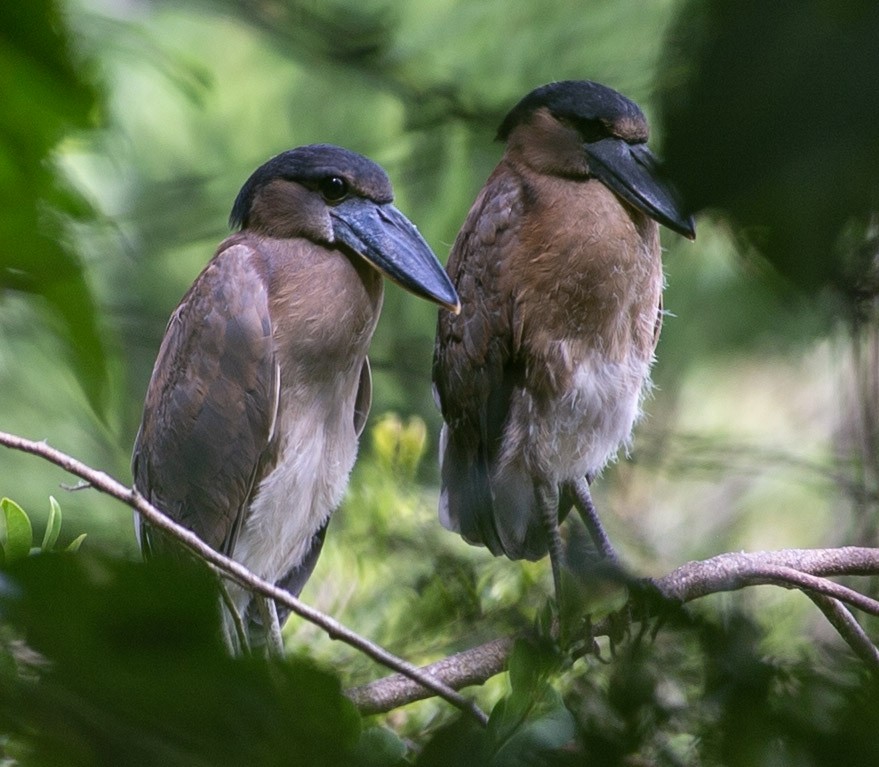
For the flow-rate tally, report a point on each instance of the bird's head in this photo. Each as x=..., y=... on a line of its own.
x=342, y=199
x=582, y=129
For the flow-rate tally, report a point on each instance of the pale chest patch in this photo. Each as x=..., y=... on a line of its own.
x=578, y=433
x=298, y=496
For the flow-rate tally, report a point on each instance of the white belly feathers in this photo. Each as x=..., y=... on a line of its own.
x=579, y=433
x=308, y=483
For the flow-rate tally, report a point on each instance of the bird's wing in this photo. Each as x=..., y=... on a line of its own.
x=474, y=371
x=212, y=401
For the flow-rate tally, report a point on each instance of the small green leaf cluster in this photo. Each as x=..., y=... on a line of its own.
x=17, y=532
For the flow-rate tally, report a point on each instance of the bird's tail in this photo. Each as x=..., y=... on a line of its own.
x=489, y=507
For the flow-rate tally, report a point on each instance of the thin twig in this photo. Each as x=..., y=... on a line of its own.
x=733, y=571
x=848, y=628
x=787, y=577
x=803, y=569
x=106, y=484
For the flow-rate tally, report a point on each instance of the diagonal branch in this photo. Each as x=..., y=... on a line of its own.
x=106, y=484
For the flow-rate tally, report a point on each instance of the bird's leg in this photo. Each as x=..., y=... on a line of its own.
x=548, y=503
x=620, y=620
x=583, y=501
x=268, y=613
x=234, y=633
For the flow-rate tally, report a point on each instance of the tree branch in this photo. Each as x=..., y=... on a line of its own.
x=733, y=571
x=462, y=669
x=803, y=569
x=106, y=484
x=807, y=570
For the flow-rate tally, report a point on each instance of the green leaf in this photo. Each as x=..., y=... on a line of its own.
x=74, y=545
x=379, y=747
x=530, y=666
x=460, y=743
x=532, y=700
x=18, y=534
x=508, y=715
x=538, y=736
x=545, y=620
x=53, y=526
x=523, y=667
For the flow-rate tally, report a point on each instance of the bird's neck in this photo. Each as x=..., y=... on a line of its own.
x=325, y=305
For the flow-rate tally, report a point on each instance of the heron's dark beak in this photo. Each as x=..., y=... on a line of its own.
x=632, y=172
x=392, y=244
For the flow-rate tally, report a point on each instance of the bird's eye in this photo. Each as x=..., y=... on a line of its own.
x=592, y=130
x=333, y=188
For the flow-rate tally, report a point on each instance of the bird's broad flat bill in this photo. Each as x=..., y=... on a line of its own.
x=630, y=170
x=388, y=240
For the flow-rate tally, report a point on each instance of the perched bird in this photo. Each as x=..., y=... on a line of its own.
x=262, y=384
x=540, y=377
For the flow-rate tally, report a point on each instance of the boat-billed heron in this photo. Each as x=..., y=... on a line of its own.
x=262, y=384
x=540, y=378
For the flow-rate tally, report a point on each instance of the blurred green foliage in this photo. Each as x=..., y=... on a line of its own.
x=771, y=114
x=140, y=676
x=129, y=128
x=46, y=95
